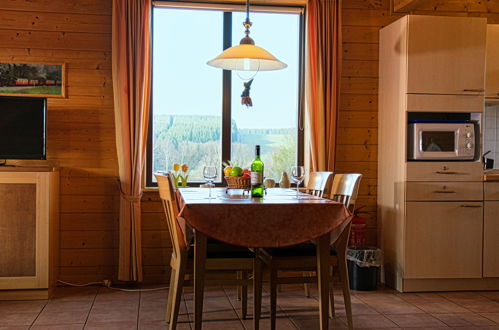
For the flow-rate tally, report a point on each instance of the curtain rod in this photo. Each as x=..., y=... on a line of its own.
x=228, y=7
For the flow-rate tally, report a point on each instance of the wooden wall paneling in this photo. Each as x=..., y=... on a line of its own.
x=463, y=6
x=87, y=239
x=77, y=59
x=89, y=7
x=359, y=85
x=156, y=238
x=367, y=4
x=55, y=40
x=88, y=221
x=29, y=20
x=354, y=135
x=359, y=102
x=368, y=169
x=86, y=258
x=360, y=51
x=154, y=221
x=357, y=153
x=406, y=5
x=357, y=68
x=371, y=18
x=358, y=119
x=87, y=274
x=156, y=256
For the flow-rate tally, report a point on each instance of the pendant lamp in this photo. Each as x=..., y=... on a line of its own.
x=246, y=56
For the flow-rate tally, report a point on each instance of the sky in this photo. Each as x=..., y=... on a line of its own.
x=184, y=40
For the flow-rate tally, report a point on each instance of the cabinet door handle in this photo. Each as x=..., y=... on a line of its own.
x=446, y=172
x=464, y=205
x=474, y=90
x=444, y=191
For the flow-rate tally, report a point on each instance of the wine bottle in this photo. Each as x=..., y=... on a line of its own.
x=257, y=175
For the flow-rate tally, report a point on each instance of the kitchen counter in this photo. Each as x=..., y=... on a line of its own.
x=491, y=175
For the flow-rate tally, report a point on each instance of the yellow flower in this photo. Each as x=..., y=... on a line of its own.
x=185, y=168
x=176, y=167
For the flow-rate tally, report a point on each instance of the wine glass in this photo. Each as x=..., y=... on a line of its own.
x=297, y=176
x=210, y=174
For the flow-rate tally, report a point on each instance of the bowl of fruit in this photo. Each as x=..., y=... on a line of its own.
x=236, y=177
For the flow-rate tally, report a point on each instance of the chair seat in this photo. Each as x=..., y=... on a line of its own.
x=298, y=250
x=217, y=249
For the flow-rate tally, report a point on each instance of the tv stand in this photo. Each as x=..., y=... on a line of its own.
x=29, y=210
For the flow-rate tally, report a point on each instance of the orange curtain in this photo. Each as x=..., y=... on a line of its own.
x=131, y=55
x=323, y=66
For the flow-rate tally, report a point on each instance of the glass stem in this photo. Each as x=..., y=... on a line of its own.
x=209, y=188
x=297, y=189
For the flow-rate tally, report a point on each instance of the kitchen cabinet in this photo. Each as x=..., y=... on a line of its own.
x=490, y=239
x=444, y=240
x=444, y=191
x=430, y=213
x=28, y=233
x=444, y=171
x=491, y=229
x=492, y=63
x=446, y=55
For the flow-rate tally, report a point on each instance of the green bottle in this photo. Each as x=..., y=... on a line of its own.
x=257, y=175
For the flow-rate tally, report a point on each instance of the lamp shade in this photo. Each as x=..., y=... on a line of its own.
x=247, y=57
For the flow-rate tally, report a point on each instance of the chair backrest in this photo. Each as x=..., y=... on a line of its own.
x=171, y=208
x=319, y=183
x=346, y=188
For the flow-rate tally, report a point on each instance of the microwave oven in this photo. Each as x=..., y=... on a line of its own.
x=444, y=140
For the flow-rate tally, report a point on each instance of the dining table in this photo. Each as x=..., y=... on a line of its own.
x=283, y=217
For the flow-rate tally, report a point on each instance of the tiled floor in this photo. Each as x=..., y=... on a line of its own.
x=102, y=308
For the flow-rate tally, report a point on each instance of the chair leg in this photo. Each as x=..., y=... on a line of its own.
x=171, y=290
x=257, y=292
x=306, y=286
x=332, y=311
x=273, y=297
x=239, y=287
x=323, y=279
x=343, y=270
x=199, y=274
x=177, y=291
x=244, y=295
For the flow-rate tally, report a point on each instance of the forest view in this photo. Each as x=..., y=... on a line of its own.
x=196, y=141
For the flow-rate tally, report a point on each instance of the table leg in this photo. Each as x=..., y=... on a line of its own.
x=257, y=292
x=323, y=278
x=199, y=274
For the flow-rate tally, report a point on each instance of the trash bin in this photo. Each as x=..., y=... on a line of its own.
x=363, y=267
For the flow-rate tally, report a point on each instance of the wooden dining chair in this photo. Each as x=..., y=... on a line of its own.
x=319, y=184
x=302, y=257
x=220, y=257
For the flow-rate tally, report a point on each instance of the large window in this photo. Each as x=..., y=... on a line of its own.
x=197, y=117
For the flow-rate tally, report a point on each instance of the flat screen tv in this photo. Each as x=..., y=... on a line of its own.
x=22, y=127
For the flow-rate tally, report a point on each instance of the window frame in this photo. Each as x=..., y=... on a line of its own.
x=226, y=132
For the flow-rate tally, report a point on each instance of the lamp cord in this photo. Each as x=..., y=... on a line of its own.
x=247, y=10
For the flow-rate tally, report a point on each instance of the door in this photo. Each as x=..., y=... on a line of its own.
x=443, y=240
x=491, y=239
x=446, y=55
x=492, y=62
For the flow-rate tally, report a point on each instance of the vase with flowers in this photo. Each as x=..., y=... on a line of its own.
x=180, y=175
